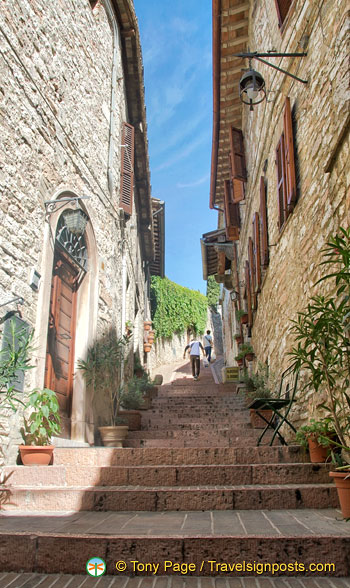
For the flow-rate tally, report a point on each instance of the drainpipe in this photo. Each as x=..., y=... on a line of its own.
x=114, y=77
x=216, y=98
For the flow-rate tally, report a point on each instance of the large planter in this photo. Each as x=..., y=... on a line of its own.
x=256, y=421
x=34, y=455
x=342, y=483
x=113, y=436
x=134, y=419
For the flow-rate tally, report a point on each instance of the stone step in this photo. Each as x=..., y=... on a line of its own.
x=241, y=454
x=202, y=441
x=191, y=433
x=277, y=537
x=210, y=424
x=161, y=475
x=165, y=498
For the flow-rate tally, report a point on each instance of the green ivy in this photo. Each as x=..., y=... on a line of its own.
x=176, y=309
x=213, y=292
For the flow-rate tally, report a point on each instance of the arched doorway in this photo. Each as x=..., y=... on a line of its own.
x=69, y=269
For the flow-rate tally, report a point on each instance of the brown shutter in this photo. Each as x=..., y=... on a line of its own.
x=281, y=183
x=249, y=294
x=263, y=225
x=291, y=187
x=239, y=171
x=221, y=263
x=252, y=272
x=127, y=169
x=282, y=7
x=232, y=216
x=257, y=256
x=237, y=185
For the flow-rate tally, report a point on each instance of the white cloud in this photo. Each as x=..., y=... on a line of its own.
x=195, y=183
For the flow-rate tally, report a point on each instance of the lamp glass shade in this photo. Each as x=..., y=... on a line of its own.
x=252, y=87
x=75, y=220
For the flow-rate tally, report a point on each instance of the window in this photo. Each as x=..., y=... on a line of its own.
x=252, y=273
x=256, y=252
x=248, y=293
x=264, y=239
x=237, y=164
x=127, y=169
x=285, y=166
x=232, y=216
x=282, y=7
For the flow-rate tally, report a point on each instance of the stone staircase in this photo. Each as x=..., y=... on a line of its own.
x=191, y=487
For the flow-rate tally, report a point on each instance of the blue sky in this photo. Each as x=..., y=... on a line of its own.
x=176, y=47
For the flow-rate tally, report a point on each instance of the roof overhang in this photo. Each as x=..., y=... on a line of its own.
x=134, y=84
x=230, y=35
x=211, y=244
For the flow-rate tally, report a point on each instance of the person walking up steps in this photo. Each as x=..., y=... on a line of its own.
x=208, y=343
x=195, y=347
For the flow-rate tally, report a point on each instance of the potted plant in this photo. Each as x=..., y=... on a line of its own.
x=239, y=338
x=258, y=387
x=242, y=316
x=245, y=352
x=139, y=370
x=322, y=335
x=128, y=328
x=317, y=436
x=101, y=370
x=42, y=422
x=147, y=325
x=131, y=400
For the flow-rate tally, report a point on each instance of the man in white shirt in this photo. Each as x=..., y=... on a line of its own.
x=195, y=347
x=208, y=343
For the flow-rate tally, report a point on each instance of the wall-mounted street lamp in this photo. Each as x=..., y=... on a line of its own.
x=252, y=89
x=75, y=218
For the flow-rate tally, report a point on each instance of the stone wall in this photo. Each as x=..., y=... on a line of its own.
x=321, y=133
x=55, y=101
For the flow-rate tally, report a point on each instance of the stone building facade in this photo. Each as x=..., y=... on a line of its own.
x=73, y=125
x=275, y=225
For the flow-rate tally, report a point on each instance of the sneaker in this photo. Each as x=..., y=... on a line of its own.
x=195, y=377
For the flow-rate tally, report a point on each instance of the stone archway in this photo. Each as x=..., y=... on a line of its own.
x=66, y=319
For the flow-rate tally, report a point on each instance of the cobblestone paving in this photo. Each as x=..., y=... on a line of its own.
x=13, y=580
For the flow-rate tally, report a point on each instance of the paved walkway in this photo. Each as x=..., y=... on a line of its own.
x=238, y=523
x=13, y=580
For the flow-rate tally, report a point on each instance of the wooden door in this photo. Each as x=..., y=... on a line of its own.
x=61, y=337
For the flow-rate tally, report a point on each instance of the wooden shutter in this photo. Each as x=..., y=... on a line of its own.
x=257, y=256
x=281, y=183
x=263, y=225
x=282, y=7
x=252, y=272
x=127, y=169
x=239, y=171
x=232, y=216
x=291, y=188
x=249, y=294
x=238, y=191
x=221, y=263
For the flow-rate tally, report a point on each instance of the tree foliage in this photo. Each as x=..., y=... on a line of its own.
x=213, y=292
x=176, y=309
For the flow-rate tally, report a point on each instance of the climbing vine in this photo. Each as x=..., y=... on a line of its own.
x=176, y=308
x=213, y=292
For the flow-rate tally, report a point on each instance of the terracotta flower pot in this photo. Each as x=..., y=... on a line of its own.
x=113, y=436
x=342, y=483
x=147, y=347
x=250, y=356
x=244, y=319
x=36, y=455
x=239, y=362
x=147, y=325
x=318, y=453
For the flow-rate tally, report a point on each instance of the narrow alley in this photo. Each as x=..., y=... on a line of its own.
x=192, y=488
